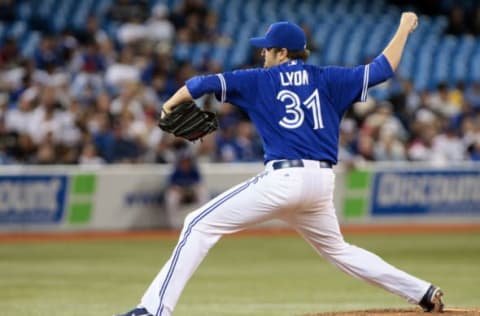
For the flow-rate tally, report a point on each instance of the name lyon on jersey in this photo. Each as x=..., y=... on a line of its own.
x=295, y=78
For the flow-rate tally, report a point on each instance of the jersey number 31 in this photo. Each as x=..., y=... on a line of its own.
x=295, y=115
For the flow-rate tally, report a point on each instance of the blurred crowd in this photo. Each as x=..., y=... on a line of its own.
x=432, y=126
x=87, y=98
x=464, y=20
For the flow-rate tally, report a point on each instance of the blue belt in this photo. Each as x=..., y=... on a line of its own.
x=298, y=163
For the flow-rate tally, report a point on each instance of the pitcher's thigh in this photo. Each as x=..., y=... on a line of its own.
x=244, y=205
x=320, y=229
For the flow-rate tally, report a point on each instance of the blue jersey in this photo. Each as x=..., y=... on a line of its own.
x=295, y=107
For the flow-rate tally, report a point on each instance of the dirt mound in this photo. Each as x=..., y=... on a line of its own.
x=403, y=312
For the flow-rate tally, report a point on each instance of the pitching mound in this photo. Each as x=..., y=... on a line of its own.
x=403, y=312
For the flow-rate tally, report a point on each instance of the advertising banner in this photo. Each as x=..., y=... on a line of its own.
x=427, y=192
x=32, y=199
x=134, y=197
x=129, y=200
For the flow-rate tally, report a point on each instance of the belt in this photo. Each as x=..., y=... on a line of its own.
x=298, y=163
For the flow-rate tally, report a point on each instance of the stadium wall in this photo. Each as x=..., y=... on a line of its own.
x=125, y=197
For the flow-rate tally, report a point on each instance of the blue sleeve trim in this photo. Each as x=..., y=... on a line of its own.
x=379, y=70
x=366, y=74
x=223, y=84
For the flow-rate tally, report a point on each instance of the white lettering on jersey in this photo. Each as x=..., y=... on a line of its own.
x=296, y=78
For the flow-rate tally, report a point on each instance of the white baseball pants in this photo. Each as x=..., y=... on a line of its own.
x=301, y=196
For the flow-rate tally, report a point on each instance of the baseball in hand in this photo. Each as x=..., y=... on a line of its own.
x=410, y=20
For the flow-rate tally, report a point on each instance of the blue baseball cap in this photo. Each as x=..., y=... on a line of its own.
x=282, y=35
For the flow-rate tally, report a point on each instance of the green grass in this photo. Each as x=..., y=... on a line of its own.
x=241, y=276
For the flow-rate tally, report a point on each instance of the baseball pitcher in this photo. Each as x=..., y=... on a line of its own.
x=297, y=109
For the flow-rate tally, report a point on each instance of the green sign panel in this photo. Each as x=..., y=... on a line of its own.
x=357, y=194
x=82, y=194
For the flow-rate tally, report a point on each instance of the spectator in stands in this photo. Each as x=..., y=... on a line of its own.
x=472, y=96
x=475, y=21
x=123, y=70
x=46, y=154
x=90, y=64
x=440, y=101
x=149, y=135
x=188, y=8
x=160, y=87
x=156, y=75
x=457, y=24
x=430, y=145
x=124, y=149
x=449, y=146
x=15, y=82
x=124, y=10
x=133, y=128
x=5, y=140
x=70, y=134
x=92, y=32
x=133, y=32
x=405, y=101
x=103, y=136
x=128, y=100
x=212, y=33
x=248, y=142
x=421, y=148
x=67, y=48
x=47, y=54
x=102, y=103
x=3, y=106
x=23, y=150
x=20, y=119
x=7, y=10
x=227, y=147
x=92, y=61
x=469, y=132
x=185, y=186
x=168, y=148
x=382, y=120
x=365, y=146
x=4, y=157
x=346, y=150
x=108, y=51
x=89, y=155
x=421, y=118
x=158, y=26
x=9, y=54
x=456, y=95
x=474, y=151
x=47, y=118
x=389, y=148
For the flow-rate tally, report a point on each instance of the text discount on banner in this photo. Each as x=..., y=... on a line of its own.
x=32, y=199
x=426, y=193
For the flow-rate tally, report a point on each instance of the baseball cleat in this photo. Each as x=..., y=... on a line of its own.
x=432, y=300
x=136, y=312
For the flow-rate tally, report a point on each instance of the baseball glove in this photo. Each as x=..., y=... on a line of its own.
x=188, y=121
